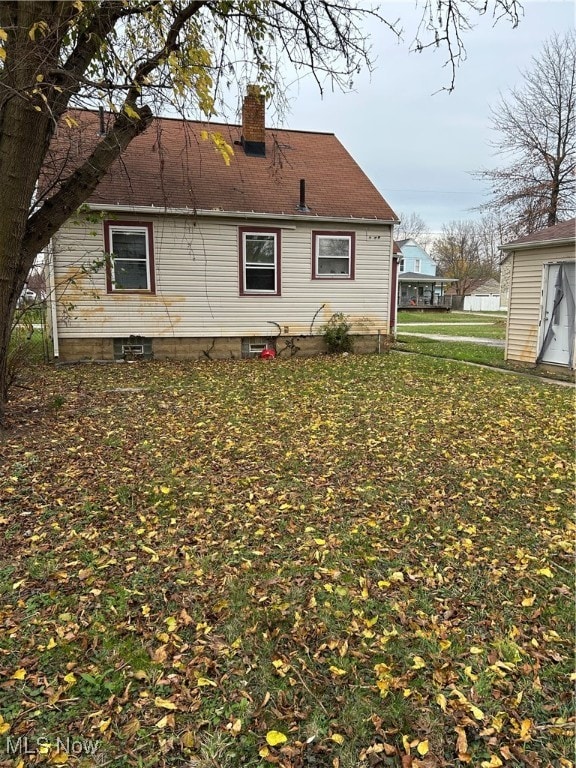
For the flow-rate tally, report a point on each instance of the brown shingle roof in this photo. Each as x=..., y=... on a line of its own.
x=171, y=165
x=566, y=230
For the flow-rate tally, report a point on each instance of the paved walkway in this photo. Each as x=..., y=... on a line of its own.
x=440, y=337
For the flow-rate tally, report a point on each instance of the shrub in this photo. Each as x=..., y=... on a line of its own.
x=336, y=334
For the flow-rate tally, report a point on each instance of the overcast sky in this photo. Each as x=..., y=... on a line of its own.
x=418, y=145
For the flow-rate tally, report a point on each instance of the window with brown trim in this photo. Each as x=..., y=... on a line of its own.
x=333, y=255
x=130, y=267
x=259, y=261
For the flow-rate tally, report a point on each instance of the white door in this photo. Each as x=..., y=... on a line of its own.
x=557, y=323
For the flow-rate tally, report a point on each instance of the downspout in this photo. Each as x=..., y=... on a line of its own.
x=52, y=300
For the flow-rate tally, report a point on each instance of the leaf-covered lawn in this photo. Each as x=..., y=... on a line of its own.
x=341, y=562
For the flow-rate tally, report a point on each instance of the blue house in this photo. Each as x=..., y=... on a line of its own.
x=414, y=258
x=418, y=285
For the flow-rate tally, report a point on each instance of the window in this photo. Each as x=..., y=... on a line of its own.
x=401, y=265
x=259, y=261
x=333, y=255
x=131, y=266
x=417, y=265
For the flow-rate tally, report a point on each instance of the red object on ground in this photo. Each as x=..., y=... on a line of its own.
x=267, y=354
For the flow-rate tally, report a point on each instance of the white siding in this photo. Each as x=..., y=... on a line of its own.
x=526, y=297
x=197, y=282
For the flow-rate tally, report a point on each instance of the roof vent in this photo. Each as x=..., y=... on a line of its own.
x=302, y=207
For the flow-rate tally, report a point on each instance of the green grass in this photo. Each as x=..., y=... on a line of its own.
x=455, y=350
x=447, y=318
x=360, y=553
x=495, y=331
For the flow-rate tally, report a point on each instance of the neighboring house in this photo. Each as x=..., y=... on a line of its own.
x=414, y=258
x=210, y=259
x=542, y=293
x=418, y=285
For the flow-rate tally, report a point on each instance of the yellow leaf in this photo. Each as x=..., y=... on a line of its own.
x=4, y=727
x=103, y=725
x=419, y=662
x=163, y=722
x=164, y=703
x=264, y=751
x=171, y=624
x=478, y=714
x=131, y=112
x=337, y=672
x=273, y=738
x=51, y=644
x=423, y=748
x=2, y=53
x=38, y=25
x=476, y=650
x=444, y=644
x=20, y=674
x=525, y=728
x=59, y=758
x=163, y=488
x=397, y=576
x=545, y=572
x=236, y=726
x=441, y=701
x=494, y=762
x=131, y=727
x=187, y=739
x=205, y=681
x=338, y=738
x=70, y=678
x=528, y=601
x=3, y=34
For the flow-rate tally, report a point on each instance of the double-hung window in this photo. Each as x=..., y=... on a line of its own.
x=333, y=255
x=259, y=261
x=131, y=251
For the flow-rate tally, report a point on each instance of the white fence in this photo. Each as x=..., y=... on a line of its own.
x=482, y=304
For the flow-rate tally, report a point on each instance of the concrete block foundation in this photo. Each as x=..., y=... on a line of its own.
x=213, y=348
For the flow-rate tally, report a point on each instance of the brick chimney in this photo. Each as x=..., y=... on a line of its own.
x=254, y=122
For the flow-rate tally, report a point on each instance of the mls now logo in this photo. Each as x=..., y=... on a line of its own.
x=42, y=745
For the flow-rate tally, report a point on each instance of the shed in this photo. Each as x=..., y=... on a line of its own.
x=541, y=306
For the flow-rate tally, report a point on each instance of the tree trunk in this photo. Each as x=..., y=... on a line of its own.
x=26, y=128
x=25, y=131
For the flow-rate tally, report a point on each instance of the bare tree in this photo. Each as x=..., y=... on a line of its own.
x=536, y=126
x=413, y=227
x=462, y=254
x=134, y=56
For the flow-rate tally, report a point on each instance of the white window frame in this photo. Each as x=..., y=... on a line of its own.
x=129, y=229
x=418, y=265
x=245, y=265
x=349, y=236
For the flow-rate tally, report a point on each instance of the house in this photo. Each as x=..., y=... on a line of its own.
x=418, y=285
x=414, y=258
x=184, y=251
x=542, y=293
